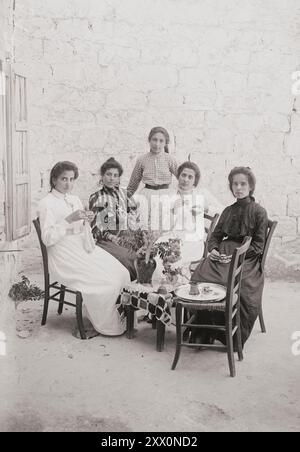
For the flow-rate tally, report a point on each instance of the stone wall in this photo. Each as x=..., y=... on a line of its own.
x=7, y=260
x=217, y=74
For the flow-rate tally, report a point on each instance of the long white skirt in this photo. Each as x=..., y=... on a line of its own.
x=98, y=276
x=154, y=207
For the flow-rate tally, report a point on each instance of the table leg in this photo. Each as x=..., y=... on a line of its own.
x=129, y=321
x=160, y=335
x=154, y=322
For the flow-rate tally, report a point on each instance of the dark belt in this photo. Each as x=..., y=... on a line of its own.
x=157, y=187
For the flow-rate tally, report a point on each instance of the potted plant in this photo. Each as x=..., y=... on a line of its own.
x=142, y=242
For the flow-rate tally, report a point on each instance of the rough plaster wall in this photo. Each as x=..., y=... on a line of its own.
x=7, y=260
x=216, y=73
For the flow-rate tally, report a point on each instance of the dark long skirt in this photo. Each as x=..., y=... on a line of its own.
x=125, y=256
x=251, y=289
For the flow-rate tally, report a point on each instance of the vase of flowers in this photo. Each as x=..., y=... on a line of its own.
x=170, y=253
x=144, y=269
x=143, y=244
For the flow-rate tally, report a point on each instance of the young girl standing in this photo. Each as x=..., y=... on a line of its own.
x=155, y=170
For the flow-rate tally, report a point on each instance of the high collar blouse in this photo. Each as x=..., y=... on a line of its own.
x=243, y=218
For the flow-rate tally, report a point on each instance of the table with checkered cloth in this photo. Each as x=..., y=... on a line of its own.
x=146, y=297
x=140, y=296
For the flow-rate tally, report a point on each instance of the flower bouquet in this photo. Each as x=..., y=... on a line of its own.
x=170, y=253
x=141, y=242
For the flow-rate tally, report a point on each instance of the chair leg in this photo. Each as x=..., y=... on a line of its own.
x=79, y=315
x=129, y=321
x=261, y=321
x=160, y=335
x=239, y=344
x=230, y=354
x=178, y=334
x=186, y=333
x=61, y=300
x=46, y=305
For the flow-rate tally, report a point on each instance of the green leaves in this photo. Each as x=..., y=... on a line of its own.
x=23, y=290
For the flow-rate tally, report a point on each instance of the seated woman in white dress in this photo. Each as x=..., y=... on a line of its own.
x=96, y=274
x=186, y=217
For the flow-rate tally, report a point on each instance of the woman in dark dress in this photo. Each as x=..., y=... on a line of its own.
x=114, y=212
x=243, y=218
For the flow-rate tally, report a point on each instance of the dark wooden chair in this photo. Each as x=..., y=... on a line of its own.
x=60, y=290
x=270, y=231
x=230, y=306
x=209, y=226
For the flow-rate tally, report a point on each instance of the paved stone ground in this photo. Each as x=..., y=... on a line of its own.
x=52, y=381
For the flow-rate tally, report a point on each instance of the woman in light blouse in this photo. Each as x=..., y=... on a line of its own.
x=155, y=170
x=97, y=275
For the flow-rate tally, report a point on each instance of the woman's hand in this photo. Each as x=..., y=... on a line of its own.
x=222, y=258
x=215, y=255
x=77, y=216
x=89, y=215
x=177, y=204
x=197, y=210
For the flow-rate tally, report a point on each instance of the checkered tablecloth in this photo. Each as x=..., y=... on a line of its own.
x=146, y=297
x=143, y=297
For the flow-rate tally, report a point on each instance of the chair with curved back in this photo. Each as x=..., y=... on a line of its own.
x=61, y=290
x=270, y=231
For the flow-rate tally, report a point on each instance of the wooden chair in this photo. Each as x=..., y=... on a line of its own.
x=230, y=306
x=209, y=228
x=270, y=231
x=61, y=290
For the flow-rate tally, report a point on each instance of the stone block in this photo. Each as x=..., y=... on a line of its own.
x=235, y=60
x=275, y=205
x=276, y=122
x=32, y=49
x=273, y=60
x=150, y=77
x=218, y=120
x=125, y=98
x=69, y=27
x=184, y=56
x=294, y=204
x=198, y=99
x=196, y=78
x=287, y=226
x=166, y=98
x=186, y=118
x=292, y=143
x=218, y=141
x=108, y=54
x=230, y=83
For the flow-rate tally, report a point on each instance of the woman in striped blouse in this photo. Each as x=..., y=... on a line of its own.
x=155, y=170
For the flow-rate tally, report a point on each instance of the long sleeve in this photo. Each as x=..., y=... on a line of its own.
x=52, y=232
x=98, y=225
x=259, y=234
x=136, y=177
x=218, y=234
